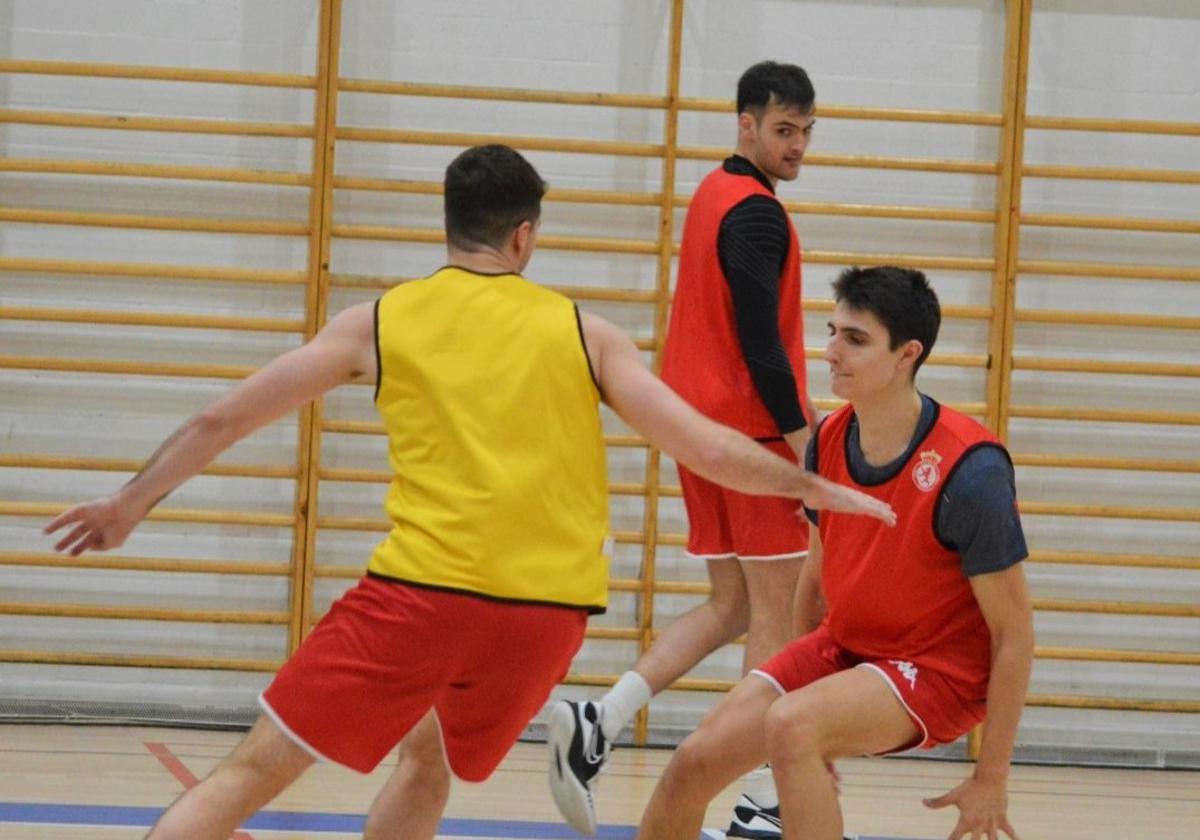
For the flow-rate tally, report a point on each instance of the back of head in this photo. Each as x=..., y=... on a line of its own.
x=489, y=191
x=772, y=83
x=901, y=298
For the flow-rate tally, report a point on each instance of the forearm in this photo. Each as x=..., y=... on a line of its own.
x=739, y=462
x=191, y=448
x=1012, y=661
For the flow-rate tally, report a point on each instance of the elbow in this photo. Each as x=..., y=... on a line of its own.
x=1017, y=640
x=214, y=424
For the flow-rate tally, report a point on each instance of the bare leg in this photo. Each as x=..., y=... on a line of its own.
x=853, y=712
x=730, y=741
x=258, y=769
x=410, y=804
x=771, y=588
x=698, y=632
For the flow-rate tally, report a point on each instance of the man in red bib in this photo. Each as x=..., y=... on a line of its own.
x=735, y=352
x=907, y=636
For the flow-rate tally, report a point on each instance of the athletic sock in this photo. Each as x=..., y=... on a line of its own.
x=622, y=702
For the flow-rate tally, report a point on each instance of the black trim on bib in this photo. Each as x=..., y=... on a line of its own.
x=494, y=598
x=378, y=355
x=583, y=344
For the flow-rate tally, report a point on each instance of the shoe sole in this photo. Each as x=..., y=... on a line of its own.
x=741, y=833
x=570, y=795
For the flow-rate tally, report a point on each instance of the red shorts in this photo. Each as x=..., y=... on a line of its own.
x=938, y=705
x=386, y=653
x=724, y=523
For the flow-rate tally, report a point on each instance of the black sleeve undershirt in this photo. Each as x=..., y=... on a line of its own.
x=752, y=245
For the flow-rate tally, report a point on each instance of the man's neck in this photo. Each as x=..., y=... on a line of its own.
x=744, y=155
x=886, y=424
x=490, y=261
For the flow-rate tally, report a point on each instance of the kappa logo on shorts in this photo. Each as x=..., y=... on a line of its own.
x=927, y=474
x=907, y=670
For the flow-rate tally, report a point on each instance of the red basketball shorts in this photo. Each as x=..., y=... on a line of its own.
x=386, y=653
x=941, y=708
x=724, y=523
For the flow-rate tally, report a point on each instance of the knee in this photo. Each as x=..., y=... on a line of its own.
x=266, y=760
x=696, y=771
x=792, y=731
x=732, y=610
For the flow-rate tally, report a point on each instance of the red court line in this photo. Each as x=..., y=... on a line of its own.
x=185, y=776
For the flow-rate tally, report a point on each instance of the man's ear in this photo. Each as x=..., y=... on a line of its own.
x=522, y=240
x=911, y=351
x=746, y=124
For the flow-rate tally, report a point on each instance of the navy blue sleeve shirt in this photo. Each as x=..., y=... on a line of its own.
x=977, y=516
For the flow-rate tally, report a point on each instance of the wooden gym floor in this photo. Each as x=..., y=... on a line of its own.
x=104, y=783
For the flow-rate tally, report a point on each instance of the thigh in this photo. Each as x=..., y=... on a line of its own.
x=727, y=580
x=850, y=713
x=805, y=660
x=764, y=528
x=942, y=710
x=365, y=676
x=275, y=757
x=708, y=521
x=771, y=585
x=517, y=654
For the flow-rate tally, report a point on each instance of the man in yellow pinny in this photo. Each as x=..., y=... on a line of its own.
x=475, y=603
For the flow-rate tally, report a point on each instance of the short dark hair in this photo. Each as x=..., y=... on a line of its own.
x=770, y=82
x=902, y=300
x=489, y=191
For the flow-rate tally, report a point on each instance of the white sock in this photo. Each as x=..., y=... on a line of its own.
x=622, y=702
x=759, y=785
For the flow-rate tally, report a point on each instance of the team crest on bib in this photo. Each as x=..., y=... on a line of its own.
x=926, y=474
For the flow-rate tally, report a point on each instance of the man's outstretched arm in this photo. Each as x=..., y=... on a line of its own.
x=717, y=452
x=343, y=350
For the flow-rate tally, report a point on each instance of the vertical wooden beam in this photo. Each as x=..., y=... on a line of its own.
x=320, y=216
x=1008, y=234
x=662, y=302
x=1008, y=213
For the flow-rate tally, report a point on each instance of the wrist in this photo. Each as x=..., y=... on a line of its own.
x=134, y=499
x=991, y=775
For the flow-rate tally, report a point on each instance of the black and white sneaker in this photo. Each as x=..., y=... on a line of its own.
x=751, y=820
x=578, y=752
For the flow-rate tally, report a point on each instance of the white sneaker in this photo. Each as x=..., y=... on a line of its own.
x=578, y=752
x=751, y=820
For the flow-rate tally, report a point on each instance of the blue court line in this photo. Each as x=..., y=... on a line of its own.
x=50, y=814
x=310, y=821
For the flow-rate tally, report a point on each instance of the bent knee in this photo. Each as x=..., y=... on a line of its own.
x=792, y=729
x=732, y=610
x=696, y=769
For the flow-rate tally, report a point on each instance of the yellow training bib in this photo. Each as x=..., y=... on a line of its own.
x=494, y=436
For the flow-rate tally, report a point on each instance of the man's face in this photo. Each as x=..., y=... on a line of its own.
x=860, y=361
x=777, y=142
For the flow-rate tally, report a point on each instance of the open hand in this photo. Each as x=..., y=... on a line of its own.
x=982, y=807
x=100, y=524
x=826, y=495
